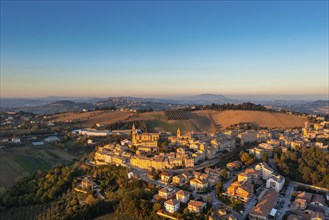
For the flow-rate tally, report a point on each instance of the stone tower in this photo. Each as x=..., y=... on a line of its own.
x=306, y=125
x=178, y=133
x=133, y=134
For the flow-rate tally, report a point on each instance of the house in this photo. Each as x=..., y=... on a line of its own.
x=318, y=200
x=16, y=140
x=195, y=206
x=258, y=152
x=265, y=170
x=264, y=207
x=301, y=201
x=165, y=177
x=203, y=176
x=183, y=196
x=253, y=174
x=241, y=190
x=196, y=174
x=86, y=183
x=198, y=184
x=294, y=217
x=307, y=215
x=187, y=175
x=242, y=177
x=263, y=135
x=178, y=180
x=275, y=182
x=299, y=204
x=317, y=216
x=37, y=143
x=304, y=195
x=189, y=162
x=267, y=148
x=248, y=137
x=171, y=205
x=233, y=165
x=51, y=139
x=167, y=192
x=212, y=180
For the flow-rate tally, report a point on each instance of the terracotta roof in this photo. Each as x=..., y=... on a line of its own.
x=172, y=202
x=318, y=199
x=167, y=189
x=277, y=178
x=198, y=181
x=318, y=215
x=251, y=171
x=195, y=203
x=304, y=195
x=266, y=204
x=183, y=193
x=294, y=217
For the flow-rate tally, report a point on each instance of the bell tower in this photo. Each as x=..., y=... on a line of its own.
x=133, y=134
x=178, y=133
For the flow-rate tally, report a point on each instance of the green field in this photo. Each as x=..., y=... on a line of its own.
x=18, y=162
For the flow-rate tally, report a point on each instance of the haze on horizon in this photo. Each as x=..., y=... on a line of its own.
x=160, y=49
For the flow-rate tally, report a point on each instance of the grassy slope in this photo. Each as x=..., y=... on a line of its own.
x=25, y=160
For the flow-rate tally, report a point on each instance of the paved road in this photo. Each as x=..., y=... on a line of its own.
x=285, y=208
x=272, y=164
x=216, y=203
x=228, y=183
x=207, y=163
x=142, y=174
x=248, y=206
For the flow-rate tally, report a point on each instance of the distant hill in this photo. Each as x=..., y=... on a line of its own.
x=55, y=107
x=315, y=107
x=203, y=99
x=49, y=105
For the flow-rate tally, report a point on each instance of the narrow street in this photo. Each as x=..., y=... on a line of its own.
x=287, y=197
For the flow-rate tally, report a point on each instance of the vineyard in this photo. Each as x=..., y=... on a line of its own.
x=176, y=115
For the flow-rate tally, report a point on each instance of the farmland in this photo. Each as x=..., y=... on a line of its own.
x=176, y=115
x=91, y=118
x=17, y=162
x=227, y=118
x=203, y=120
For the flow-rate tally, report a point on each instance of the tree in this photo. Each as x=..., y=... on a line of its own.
x=186, y=211
x=244, y=157
x=224, y=174
x=156, y=207
x=238, y=205
x=293, y=156
x=219, y=188
x=264, y=157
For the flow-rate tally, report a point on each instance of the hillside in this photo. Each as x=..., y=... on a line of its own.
x=55, y=107
x=262, y=119
x=203, y=120
x=18, y=162
x=91, y=118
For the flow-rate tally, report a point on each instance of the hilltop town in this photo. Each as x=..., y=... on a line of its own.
x=190, y=172
x=236, y=173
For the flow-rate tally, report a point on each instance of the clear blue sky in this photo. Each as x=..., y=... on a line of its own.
x=102, y=48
